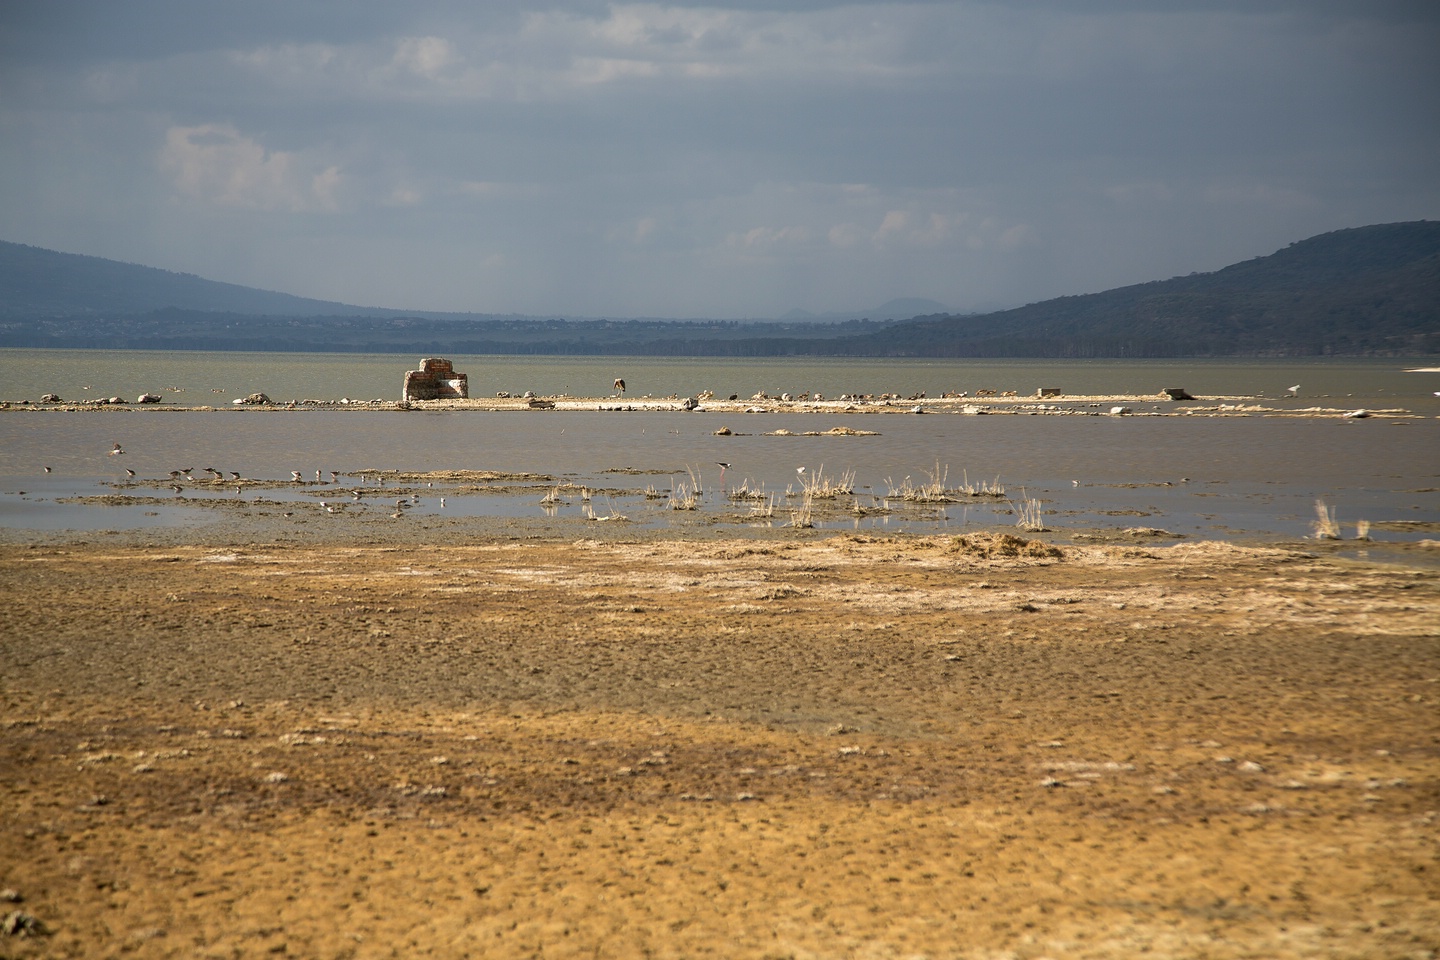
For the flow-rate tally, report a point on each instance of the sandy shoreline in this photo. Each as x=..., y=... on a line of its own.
x=846, y=746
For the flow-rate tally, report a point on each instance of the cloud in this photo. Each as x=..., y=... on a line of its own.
x=216, y=165
x=845, y=235
x=426, y=56
x=763, y=239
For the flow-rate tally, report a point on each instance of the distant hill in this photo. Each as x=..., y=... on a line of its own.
x=1369, y=290
x=35, y=282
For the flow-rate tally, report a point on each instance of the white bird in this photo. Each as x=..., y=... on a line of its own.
x=47, y=469
x=295, y=475
x=1293, y=390
x=115, y=451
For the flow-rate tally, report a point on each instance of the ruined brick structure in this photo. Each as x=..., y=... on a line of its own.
x=436, y=380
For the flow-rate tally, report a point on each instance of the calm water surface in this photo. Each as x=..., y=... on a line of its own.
x=1237, y=477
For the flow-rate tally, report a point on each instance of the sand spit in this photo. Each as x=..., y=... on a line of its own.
x=963, y=747
x=1112, y=405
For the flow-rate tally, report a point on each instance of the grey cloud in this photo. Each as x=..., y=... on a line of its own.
x=709, y=158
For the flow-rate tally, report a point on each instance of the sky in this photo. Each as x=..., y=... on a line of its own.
x=737, y=159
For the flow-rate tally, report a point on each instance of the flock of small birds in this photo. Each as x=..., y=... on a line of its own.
x=188, y=473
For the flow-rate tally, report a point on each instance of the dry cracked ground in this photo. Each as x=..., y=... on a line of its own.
x=958, y=747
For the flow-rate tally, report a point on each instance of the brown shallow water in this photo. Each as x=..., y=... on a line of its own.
x=842, y=746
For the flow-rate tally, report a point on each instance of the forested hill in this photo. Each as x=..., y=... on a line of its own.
x=1368, y=290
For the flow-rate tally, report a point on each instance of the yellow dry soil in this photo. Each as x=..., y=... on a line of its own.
x=963, y=747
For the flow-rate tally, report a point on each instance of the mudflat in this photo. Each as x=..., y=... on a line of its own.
x=974, y=746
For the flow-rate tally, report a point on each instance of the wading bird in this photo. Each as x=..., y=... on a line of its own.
x=619, y=384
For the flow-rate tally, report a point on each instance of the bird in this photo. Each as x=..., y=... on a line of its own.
x=47, y=469
x=1293, y=390
x=619, y=384
x=334, y=476
x=295, y=475
x=116, y=450
x=234, y=474
x=128, y=471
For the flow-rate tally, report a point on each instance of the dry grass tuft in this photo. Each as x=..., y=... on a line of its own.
x=817, y=486
x=1327, y=527
x=990, y=546
x=1029, y=515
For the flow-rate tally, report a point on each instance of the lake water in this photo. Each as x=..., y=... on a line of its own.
x=1228, y=478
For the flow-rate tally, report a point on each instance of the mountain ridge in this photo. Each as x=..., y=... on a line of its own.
x=1358, y=291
